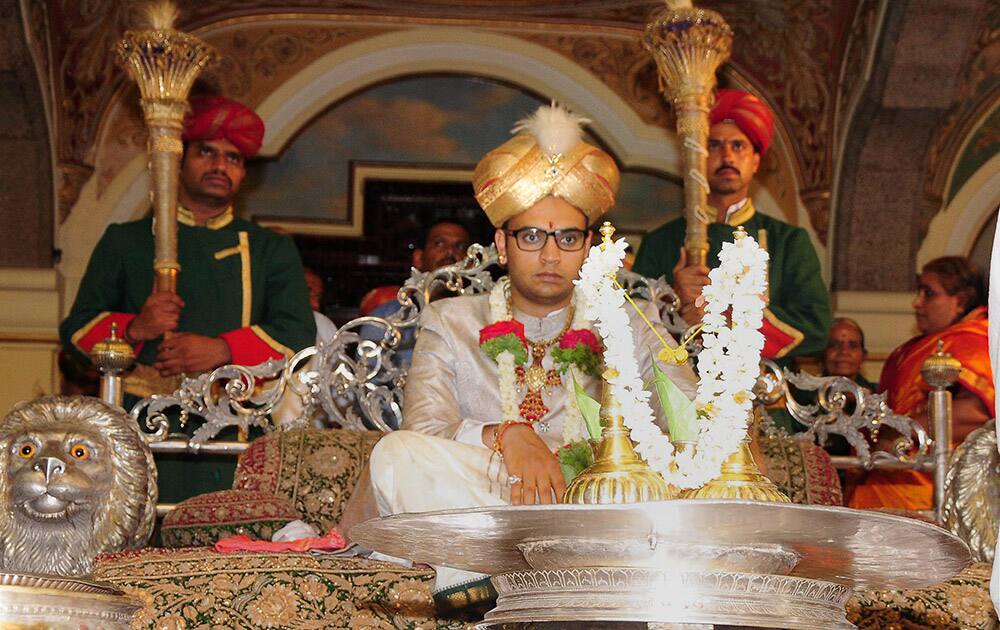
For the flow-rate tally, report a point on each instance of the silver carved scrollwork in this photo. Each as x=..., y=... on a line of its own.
x=844, y=408
x=227, y=396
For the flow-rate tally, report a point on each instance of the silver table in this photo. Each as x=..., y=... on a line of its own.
x=721, y=562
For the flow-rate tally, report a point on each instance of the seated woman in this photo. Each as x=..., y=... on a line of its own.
x=951, y=308
x=844, y=355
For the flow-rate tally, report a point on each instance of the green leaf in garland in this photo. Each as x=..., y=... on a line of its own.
x=590, y=410
x=581, y=356
x=682, y=418
x=509, y=343
x=574, y=458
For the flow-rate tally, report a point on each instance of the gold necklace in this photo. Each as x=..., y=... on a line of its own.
x=536, y=378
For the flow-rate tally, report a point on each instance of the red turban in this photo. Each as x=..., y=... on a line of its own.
x=220, y=118
x=747, y=112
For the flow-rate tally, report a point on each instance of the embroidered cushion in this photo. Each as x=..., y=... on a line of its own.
x=801, y=470
x=963, y=602
x=202, y=520
x=199, y=588
x=315, y=469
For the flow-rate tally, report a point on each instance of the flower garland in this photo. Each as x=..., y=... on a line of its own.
x=503, y=341
x=728, y=364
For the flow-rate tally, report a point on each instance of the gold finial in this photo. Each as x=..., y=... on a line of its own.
x=112, y=354
x=941, y=370
x=739, y=234
x=607, y=231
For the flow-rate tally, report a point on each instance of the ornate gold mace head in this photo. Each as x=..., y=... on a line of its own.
x=164, y=64
x=688, y=46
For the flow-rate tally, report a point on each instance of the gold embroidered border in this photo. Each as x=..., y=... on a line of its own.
x=793, y=332
x=269, y=340
x=244, y=248
x=742, y=215
x=75, y=339
x=186, y=217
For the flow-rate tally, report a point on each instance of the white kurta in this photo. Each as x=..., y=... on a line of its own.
x=439, y=461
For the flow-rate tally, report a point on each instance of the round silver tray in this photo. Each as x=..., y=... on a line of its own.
x=856, y=548
x=694, y=561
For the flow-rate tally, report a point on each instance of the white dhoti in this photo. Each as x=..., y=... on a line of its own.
x=415, y=472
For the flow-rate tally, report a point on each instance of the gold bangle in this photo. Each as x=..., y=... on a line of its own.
x=498, y=434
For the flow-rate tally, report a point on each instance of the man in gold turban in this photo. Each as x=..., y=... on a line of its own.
x=478, y=433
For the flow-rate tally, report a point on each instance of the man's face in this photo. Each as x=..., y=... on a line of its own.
x=544, y=277
x=446, y=244
x=844, y=354
x=934, y=307
x=732, y=161
x=212, y=171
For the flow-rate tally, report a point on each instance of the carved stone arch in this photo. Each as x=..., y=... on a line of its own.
x=953, y=231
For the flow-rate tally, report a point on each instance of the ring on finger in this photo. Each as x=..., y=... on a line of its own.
x=513, y=479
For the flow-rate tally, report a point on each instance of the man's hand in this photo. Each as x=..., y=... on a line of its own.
x=188, y=352
x=689, y=280
x=526, y=456
x=160, y=313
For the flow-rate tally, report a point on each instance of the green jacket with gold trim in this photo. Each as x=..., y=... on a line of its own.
x=239, y=282
x=797, y=319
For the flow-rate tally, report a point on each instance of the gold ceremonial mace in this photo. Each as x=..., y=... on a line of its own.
x=689, y=45
x=164, y=63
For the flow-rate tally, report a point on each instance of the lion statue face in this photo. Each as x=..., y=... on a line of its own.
x=77, y=479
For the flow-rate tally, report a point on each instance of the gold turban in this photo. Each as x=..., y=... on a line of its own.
x=519, y=173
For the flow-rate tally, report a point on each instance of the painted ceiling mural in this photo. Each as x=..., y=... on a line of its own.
x=73, y=39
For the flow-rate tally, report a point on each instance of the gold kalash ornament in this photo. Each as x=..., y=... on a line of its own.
x=618, y=474
x=164, y=63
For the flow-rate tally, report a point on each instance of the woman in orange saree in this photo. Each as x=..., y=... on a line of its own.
x=950, y=307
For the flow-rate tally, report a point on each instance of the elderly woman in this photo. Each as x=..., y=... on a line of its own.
x=951, y=309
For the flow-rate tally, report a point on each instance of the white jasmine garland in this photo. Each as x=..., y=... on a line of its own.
x=508, y=386
x=728, y=364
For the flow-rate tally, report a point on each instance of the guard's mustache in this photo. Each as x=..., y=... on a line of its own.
x=726, y=167
x=218, y=174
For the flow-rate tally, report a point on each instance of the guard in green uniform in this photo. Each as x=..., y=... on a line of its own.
x=797, y=317
x=241, y=294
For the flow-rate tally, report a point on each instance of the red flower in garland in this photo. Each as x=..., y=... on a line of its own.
x=579, y=347
x=499, y=329
x=584, y=336
x=507, y=335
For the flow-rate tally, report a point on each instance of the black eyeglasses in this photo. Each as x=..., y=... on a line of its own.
x=532, y=239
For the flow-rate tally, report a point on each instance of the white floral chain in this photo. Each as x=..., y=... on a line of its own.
x=573, y=425
x=728, y=363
